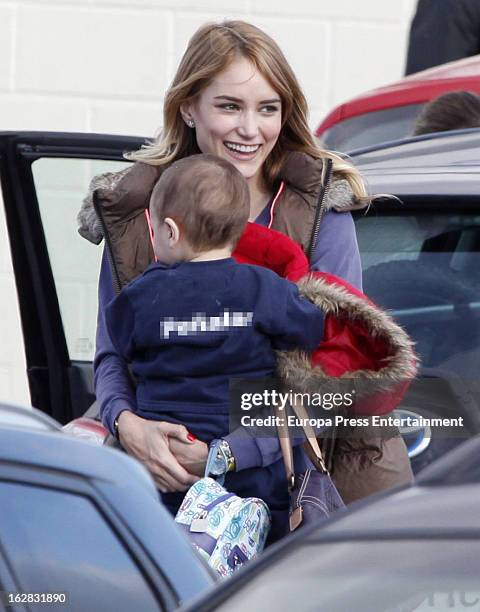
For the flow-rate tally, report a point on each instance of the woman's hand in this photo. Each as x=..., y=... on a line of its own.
x=191, y=455
x=149, y=442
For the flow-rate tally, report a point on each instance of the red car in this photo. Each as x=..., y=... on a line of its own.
x=388, y=113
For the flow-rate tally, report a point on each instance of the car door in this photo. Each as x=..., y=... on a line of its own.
x=70, y=533
x=72, y=551
x=44, y=178
x=421, y=262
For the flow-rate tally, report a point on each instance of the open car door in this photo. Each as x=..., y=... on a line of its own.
x=44, y=178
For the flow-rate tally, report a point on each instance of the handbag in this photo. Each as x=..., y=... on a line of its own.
x=226, y=530
x=313, y=495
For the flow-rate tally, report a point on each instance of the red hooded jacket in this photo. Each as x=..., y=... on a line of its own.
x=362, y=346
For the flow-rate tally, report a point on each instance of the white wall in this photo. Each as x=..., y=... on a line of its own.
x=103, y=66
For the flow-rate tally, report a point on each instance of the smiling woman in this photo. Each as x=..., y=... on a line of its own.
x=239, y=117
x=234, y=96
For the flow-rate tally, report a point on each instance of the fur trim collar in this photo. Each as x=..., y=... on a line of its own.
x=304, y=174
x=394, y=364
x=89, y=226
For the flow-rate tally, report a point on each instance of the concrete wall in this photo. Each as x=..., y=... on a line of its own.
x=103, y=66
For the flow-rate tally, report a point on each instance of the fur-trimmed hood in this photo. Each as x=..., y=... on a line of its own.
x=363, y=350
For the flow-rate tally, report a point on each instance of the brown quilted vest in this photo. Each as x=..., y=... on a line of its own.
x=122, y=211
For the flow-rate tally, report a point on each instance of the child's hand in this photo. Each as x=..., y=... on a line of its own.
x=190, y=453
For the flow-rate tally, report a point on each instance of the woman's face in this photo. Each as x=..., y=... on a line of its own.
x=238, y=117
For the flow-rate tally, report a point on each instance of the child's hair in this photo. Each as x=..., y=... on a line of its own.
x=207, y=197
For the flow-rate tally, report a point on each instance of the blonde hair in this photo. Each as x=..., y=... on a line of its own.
x=210, y=50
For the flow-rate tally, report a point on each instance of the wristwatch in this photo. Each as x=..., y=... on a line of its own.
x=115, y=427
x=115, y=424
x=221, y=458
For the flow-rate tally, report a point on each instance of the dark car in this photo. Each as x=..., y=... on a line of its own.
x=414, y=550
x=389, y=112
x=420, y=259
x=85, y=525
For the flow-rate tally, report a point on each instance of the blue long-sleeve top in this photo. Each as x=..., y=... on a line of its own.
x=227, y=324
x=336, y=252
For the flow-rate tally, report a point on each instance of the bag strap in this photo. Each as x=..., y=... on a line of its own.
x=295, y=514
x=312, y=447
x=285, y=447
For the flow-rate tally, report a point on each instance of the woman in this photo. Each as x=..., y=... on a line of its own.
x=234, y=95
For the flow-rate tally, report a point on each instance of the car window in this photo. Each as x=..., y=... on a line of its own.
x=371, y=128
x=425, y=267
x=58, y=542
x=61, y=185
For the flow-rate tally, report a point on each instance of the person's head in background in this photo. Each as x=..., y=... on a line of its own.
x=199, y=208
x=455, y=110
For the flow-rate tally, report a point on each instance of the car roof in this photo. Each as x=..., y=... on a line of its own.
x=26, y=418
x=54, y=450
x=442, y=164
x=417, y=88
x=422, y=510
x=410, y=514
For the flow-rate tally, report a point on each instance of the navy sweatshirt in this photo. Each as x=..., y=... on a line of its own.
x=336, y=252
x=187, y=329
